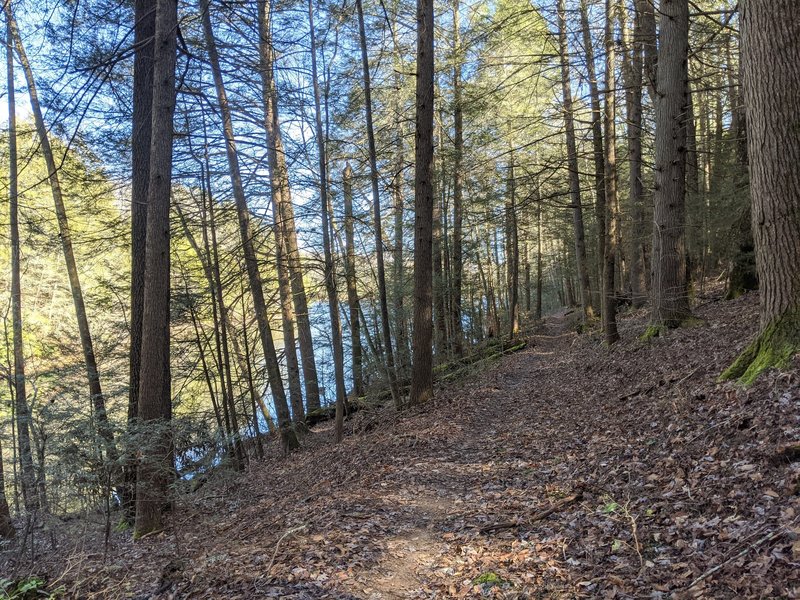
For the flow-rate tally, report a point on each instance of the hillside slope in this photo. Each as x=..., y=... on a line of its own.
x=566, y=470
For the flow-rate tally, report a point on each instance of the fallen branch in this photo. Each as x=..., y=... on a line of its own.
x=753, y=546
x=564, y=502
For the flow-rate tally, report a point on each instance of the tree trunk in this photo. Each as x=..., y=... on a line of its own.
x=222, y=417
x=329, y=270
x=512, y=252
x=376, y=203
x=280, y=177
x=527, y=279
x=221, y=318
x=439, y=313
x=492, y=319
x=670, y=293
x=632, y=73
x=538, y=251
x=287, y=318
x=742, y=276
x=598, y=153
x=612, y=208
x=288, y=434
x=155, y=470
x=283, y=217
x=209, y=259
x=247, y=365
x=458, y=201
x=352, y=290
x=574, y=173
x=422, y=366
x=6, y=526
x=21, y=410
x=141, y=131
x=400, y=322
x=95, y=390
x=771, y=56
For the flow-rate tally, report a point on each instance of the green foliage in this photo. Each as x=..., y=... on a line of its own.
x=610, y=507
x=25, y=589
x=122, y=526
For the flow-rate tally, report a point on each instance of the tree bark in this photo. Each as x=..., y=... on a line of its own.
x=400, y=321
x=141, y=131
x=598, y=154
x=612, y=207
x=632, y=75
x=288, y=434
x=771, y=56
x=458, y=201
x=422, y=367
x=440, y=341
x=329, y=270
x=276, y=157
x=743, y=276
x=6, y=526
x=574, y=173
x=21, y=409
x=512, y=251
x=539, y=281
x=287, y=317
x=155, y=470
x=670, y=294
x=373, y=170
x=352, y=289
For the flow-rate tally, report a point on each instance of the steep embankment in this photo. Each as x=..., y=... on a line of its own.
x=565, y=470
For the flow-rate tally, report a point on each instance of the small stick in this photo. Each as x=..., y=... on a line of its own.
x=278, y=544
x=756, y=544
x=150, y=534
x=537, y=517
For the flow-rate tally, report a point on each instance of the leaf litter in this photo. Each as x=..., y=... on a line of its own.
x=566, y=470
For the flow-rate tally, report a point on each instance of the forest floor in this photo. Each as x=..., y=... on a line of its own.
x=566, y=470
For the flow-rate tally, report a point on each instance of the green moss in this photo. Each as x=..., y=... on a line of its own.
x=774, y=347
x=489, y=578
x=651, y=332
x=654, y=331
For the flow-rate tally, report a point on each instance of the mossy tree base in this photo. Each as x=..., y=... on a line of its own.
x=774, y=347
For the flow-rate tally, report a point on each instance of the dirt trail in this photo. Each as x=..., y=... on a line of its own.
x=664, y=484
x=437, y=487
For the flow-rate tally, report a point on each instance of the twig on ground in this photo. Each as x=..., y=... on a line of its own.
x=286, y=534
x=537, y=517
x=753, y=546
x=150, y=534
